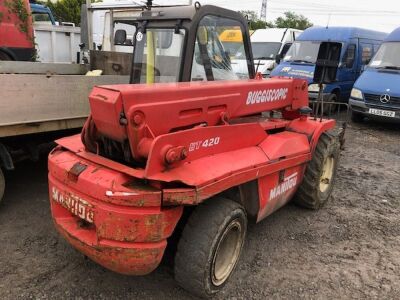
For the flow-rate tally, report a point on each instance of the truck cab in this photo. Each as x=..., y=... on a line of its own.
x=358, y=47
x=41, y=14
x=270, y=43
x=16, y=42
x=376, y=93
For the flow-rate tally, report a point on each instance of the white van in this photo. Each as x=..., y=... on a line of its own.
x=270, y=45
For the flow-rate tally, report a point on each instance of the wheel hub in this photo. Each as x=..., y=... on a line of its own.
x=227, y=253
x=327, y=174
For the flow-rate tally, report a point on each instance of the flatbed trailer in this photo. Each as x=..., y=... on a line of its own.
x=38, y=101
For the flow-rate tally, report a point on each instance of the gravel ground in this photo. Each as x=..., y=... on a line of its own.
x=348, y=249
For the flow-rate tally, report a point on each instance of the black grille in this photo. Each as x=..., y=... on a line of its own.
x=375, y=100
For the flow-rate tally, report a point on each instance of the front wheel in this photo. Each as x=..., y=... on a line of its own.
x=356, y=117
x=210, y=246
x=320, y=174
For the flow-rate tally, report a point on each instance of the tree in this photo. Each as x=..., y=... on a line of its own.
x=293, y=20
x=254, y=22
x=67, y=10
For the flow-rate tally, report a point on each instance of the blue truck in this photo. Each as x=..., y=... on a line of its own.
x=358, y=47
x=41, y=14
x=376, y=93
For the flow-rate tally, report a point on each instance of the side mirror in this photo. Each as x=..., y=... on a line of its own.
x=120, y=37
x=278, y=59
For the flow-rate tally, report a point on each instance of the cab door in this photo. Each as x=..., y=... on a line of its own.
x=347, y=73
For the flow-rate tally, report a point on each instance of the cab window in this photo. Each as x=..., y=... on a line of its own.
x=349, y=56
x=366, y=54
x=219, y=51
x=41, y=18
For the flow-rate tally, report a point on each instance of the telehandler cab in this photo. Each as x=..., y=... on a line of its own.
x=192, y=161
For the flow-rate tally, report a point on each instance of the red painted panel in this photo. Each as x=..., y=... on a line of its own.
x=12, y=28
x=274, y=192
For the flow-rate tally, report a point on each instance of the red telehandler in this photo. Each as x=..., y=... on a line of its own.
x=192, y=161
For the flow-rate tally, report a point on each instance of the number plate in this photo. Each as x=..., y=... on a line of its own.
x=383, y=113
x=74, y=204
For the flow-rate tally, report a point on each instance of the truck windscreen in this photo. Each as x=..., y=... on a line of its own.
x=303, y=52
x=265, y=50
x=387, y=57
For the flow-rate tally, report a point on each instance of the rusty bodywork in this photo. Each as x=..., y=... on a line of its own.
x=118, y=191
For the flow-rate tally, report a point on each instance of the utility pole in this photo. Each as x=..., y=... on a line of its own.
x=263, y=13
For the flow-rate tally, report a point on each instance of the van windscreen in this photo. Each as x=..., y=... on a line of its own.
x=387, y=57
x=265, y=50
x=303, y=52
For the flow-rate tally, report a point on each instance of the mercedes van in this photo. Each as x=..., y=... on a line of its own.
x=377, y=92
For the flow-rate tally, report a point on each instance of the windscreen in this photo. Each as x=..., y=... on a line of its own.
x=157, y=57
x=219, y=52
x=266, y=51
x=41, y=18
x=387, y=57
x=303, y=52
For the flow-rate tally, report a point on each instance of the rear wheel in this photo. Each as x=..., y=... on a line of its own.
x=356, y=117
x=320, y=174
x=210, y=246
x=4, y=56
x=2, y=185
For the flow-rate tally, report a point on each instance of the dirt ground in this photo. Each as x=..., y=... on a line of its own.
x=348, y=249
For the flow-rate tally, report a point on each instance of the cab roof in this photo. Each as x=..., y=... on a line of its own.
x=394, y=36
x=340, y=34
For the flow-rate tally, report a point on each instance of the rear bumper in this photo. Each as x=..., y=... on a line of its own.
x=123, y=258
x=127, y=237
x=359, y=106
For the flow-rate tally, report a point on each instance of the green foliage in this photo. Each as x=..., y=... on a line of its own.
x=67, y=10
x=290, y=20
x=254, y=22
x=18, y=7
x=293, y=20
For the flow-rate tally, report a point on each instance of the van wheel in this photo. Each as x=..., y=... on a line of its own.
x=320, y=174
x=210, y=246
x=4, y=56
x=356, y=117
x=329, y=109
x=2, y=185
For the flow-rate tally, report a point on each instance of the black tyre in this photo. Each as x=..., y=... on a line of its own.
x=210, y=246
x=2, y=185
x=329, y=108
x=320, y=174
x=356, y=117
x=4, y=56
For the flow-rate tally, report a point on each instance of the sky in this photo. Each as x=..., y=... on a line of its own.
x=382, y=15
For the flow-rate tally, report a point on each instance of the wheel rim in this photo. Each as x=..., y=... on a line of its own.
x=327, y=174
x=227, y=252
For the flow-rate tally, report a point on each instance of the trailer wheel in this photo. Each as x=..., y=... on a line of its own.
x=210, y=246
x=320, y=174
x=2, y=185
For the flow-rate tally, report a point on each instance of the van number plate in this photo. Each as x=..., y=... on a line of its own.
x=383, y=113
